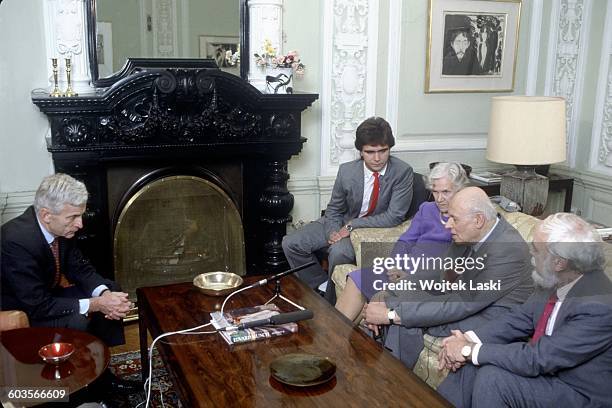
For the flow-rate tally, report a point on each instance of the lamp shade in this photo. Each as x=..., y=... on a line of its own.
x=527, y=130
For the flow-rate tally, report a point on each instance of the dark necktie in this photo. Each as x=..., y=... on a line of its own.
x=59, y=279
x=374, y=196
x=541, y=325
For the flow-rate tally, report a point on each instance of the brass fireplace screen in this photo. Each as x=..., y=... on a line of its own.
x=175, y=228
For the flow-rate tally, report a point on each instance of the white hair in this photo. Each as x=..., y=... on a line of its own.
x=453, y=171
x=572, y=238
x=57, y=190
x=482, y=205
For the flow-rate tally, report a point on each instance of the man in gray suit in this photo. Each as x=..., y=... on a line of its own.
x=497, y=278
x=373, y=191
x=556, y=349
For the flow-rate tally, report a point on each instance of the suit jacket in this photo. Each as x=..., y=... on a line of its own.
x=506, y=259
x=28, y=270
x=579, y=351
x=393, y=203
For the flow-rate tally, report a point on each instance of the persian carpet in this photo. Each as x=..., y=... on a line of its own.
x=127, y=366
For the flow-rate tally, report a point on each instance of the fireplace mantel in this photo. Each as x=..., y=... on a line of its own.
x=180, y=116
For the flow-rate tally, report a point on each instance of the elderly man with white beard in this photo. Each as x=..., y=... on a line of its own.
x=556, y=348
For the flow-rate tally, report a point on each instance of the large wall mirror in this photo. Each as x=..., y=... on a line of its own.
x=193, y=29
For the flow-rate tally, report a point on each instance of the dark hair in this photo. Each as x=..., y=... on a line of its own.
x=374, y=131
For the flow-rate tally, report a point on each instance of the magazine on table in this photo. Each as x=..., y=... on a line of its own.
x=247, y=314
x=486, y=177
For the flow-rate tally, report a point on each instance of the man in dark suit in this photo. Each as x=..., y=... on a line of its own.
x=554, y=350
x=485, y=250
x=45, y=275
x=373, y=191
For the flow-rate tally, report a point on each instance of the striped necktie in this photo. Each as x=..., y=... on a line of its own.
x=59, y=279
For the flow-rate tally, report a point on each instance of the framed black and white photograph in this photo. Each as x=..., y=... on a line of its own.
x=472, y=45
x=221, y=49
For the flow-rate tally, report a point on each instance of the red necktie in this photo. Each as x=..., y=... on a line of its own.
x=541, y=326
x=374, y=196
x=59, y=278
x=55, y=251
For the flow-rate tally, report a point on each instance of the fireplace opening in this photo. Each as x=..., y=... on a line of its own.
x=175, y=228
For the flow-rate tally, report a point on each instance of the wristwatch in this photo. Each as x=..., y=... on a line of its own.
x=349, y=227
x=466, y=351
x=391, y=315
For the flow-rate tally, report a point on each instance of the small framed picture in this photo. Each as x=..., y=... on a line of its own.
x=472, y=45
x=217, y=47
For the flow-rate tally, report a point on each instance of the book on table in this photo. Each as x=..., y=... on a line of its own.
x=486, y=176
x=247, y=314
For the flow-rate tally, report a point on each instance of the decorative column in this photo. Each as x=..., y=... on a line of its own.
x=350, y=65
x=275, y=205
x=265, y=22
x=65, y=31
x=570, y=22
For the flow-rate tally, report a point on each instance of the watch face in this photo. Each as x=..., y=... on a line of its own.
x=466, y=351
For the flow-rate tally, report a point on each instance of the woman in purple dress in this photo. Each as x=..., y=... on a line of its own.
x=426, y=237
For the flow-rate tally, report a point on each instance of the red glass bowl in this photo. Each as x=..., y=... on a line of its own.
x=56, y=353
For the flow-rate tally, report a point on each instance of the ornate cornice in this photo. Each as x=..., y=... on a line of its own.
x=158, y=108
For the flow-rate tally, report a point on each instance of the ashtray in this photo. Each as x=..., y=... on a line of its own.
x=302, y=370
x=217, y=283
x=56, y=353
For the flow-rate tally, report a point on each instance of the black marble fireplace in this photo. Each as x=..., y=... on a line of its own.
x=165, y=118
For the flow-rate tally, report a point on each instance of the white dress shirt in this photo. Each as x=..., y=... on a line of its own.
x=561, y=295
x=368, y=187
x=83, y=303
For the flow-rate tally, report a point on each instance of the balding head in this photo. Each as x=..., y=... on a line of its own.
x=471, y=215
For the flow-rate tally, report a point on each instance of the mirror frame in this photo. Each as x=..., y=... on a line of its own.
x=96, y=81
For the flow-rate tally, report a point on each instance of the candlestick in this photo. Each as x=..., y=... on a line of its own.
x=55, y=93
x=69, y=91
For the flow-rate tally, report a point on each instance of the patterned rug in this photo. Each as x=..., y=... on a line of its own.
x=127, y=366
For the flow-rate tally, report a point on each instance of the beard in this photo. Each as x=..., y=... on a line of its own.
x=546, y=278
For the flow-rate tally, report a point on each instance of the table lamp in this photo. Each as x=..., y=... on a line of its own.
x=526, y=131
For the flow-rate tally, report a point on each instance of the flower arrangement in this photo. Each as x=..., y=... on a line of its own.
x=268, y=58
x=233, y=58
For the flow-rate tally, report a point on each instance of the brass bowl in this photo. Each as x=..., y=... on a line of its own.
x=217, y=283
x=56, y=353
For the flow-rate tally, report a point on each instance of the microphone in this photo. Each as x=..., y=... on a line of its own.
x=280, y=275
x=280, y=318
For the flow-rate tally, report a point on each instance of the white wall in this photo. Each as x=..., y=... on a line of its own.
x=24, y=159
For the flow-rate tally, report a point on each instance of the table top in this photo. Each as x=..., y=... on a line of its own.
x=208, y=372
x=23, y=367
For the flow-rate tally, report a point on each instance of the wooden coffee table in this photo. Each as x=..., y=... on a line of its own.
x=22, y=367
x=208, y=372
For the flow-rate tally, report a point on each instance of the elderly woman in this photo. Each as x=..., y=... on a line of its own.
x=426, y=236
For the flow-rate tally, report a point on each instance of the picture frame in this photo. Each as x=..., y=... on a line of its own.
x=472, y=45
x=215, y=47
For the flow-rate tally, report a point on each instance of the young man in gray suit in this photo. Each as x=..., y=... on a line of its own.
x=500, y=258
x=373, y=191
x=556, y=349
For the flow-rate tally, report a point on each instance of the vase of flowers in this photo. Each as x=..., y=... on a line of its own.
x=279, y=69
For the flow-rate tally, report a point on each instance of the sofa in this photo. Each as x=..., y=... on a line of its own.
x=426, y=366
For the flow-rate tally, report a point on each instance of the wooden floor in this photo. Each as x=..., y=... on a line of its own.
x=132, y=341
